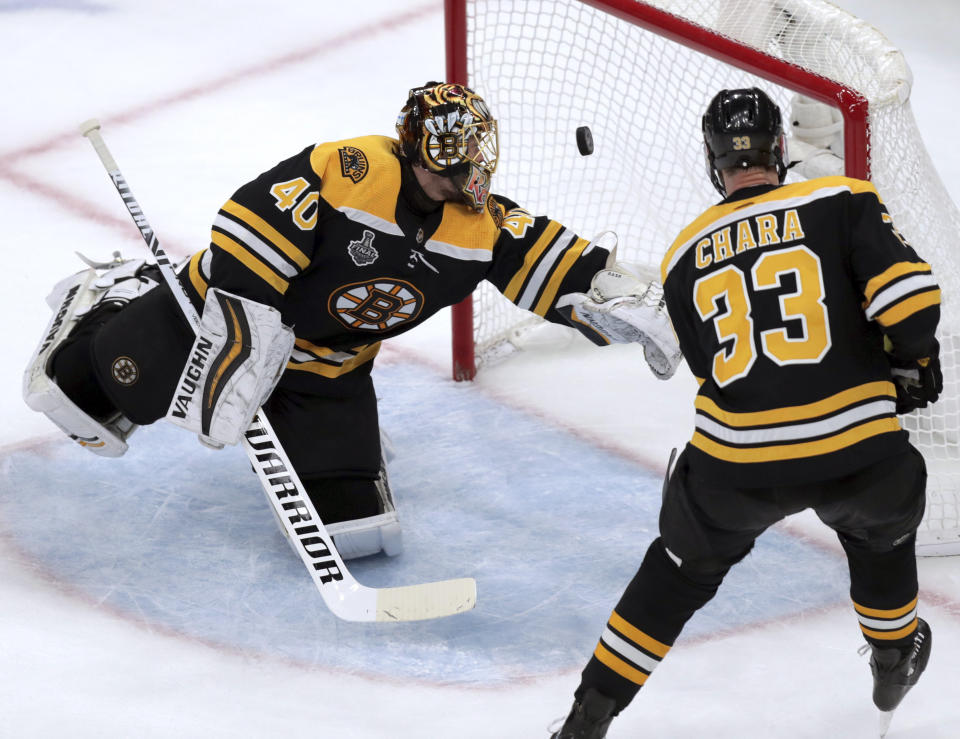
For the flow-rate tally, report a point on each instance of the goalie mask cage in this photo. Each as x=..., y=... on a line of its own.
x=640, y=74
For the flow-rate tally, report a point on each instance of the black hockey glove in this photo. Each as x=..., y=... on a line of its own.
x=918, y=381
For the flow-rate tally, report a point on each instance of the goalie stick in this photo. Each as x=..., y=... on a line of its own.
x=343, y=595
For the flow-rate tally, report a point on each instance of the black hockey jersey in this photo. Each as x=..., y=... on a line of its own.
x=327, y=238
x=781, y=298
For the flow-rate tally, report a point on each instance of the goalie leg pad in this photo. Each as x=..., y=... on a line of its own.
x=240, y=350
x=373, y=534
x=357, y=537
x=71, y=299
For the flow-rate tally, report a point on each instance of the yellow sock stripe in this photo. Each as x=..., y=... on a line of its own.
x=886, y=612
x=549, y=233
x=638, y=637
x=906, y=308
x=795, y=451
x=619, y=666
x=249, y=261
x=798, y=412
x=890, y=635
x=897, y=270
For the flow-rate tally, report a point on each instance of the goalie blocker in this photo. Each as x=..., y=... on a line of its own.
x=626, y=305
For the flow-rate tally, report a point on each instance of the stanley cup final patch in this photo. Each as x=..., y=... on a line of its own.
x=363, y=252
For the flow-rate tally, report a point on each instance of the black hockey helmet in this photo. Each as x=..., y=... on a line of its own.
x=743, y=128
x=448, y=130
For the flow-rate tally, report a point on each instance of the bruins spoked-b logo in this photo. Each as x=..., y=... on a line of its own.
x=353, y=163
x=363, y=252
x=376, y=305
x=125, y=371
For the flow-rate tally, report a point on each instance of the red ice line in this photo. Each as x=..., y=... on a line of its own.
x=85, y=209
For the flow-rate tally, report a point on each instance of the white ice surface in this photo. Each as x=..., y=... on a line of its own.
x=195, y=98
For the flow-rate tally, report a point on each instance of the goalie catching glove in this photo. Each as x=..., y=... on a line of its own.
x=240, y=351
x=626, y=305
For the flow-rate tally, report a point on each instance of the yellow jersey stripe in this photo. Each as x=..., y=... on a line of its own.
x=331, y=371
x=779, y=452
x=891, y=635
x=249, y=261
x=620, y=667
x=548, y=235
x=778, y=199
x=322, y=351
x=898, y=270
x=886, y=613
x=797, y=412
x=196, y=279
x=906, y=308
x=550, y=293
x=268, y=232
x=638, y=637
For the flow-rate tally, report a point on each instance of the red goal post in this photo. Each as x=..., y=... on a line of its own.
x=639, y=73
x=852, y=105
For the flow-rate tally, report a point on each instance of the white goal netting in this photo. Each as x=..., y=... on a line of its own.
x=549, y=66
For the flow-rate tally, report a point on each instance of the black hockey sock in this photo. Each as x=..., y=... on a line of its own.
x=652, y=612
x=883, y=587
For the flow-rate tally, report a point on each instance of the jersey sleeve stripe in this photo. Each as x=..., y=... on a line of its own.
x=326, y=369
x=544, y=269
x=898, y=290
x=466, y=253
x=890, y=274
x=530, y=259
x=778, y=452
x=258, y=246
x=268, y=232
x=199, y=281
x=570, y=256
x=906, y=308
x=808, y=411
x=249, y=261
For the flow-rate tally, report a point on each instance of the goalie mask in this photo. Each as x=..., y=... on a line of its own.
x=743, y=128
x=448, y=130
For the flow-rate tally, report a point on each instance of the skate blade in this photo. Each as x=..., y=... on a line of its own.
x=884, y=722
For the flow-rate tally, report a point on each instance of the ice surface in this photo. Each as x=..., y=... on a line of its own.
x=153, y=596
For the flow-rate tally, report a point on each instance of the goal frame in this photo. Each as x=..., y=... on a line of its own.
x=852, y=105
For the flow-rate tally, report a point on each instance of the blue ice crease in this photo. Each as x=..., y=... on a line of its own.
x=551, y=527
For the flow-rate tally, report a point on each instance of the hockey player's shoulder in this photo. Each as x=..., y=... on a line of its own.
x=353, y=159
x=825, y=187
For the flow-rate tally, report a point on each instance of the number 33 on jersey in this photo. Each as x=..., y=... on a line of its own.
x=760, y=288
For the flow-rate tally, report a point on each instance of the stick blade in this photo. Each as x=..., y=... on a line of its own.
x=429, y=600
